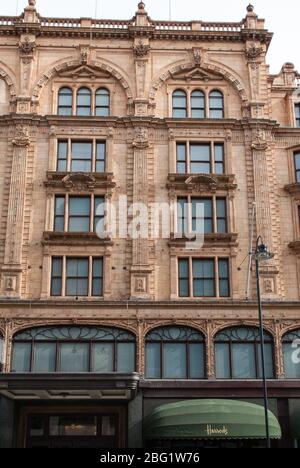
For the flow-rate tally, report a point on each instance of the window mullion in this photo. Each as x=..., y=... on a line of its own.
x=191, y=282
x=69, y=155
x=215, y=214
x=217, y=283
x=90, y=277
x=64, y=276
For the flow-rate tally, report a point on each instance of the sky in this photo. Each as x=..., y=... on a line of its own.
x=282, y=18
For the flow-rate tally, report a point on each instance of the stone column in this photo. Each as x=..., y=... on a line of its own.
x=141, y=269
x=12, y=268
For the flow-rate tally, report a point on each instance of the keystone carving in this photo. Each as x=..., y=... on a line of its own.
x=141, y=50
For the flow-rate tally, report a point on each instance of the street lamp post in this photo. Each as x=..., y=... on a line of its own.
x=262, y=254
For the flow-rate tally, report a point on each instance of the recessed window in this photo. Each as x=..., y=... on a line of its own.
x=198, y=105
x=179, y=104
x=297, y=114
x=84, y=102
x=238, y=354
x=1, y=352
x=201, y=215
x=65, y=102
x=216, y=105
x=81, y=156
x=203, y=277
x=297, y=167
x=200, y=158
x=78, y=211
x=77, y=276
x=291, y=354
x=73, y=350
x=102, y=102
x=175, y=353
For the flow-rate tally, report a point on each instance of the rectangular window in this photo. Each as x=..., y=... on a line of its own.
x=99, y=214
x=56, y=276
x=82, y=157
x=59, y=215
x=77, y=276
x=79, y=214
x=62, y=156
x=200, y=158
x=184, y=277
x=201, y=214
x=181, y=158
x=297, y=167
x=100, y=157
x=206, y=277
x=297, y=114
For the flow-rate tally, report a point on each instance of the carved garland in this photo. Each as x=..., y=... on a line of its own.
x=43, y=80
x=233, y=80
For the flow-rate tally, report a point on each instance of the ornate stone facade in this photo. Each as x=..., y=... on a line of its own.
x=142, y=62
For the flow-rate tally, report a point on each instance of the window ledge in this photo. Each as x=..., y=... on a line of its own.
x=219, y=240
x=79, y=181
x=293, y=189
x=74, y=238
x=201, y=182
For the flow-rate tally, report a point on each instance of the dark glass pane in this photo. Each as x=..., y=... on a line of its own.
x=153, y=361
x=44, y=357
x=222, y=359
x=79, y=224
x=196, y=353
x=203, y=268
x=182, y=215
x=81, y=166
x=98, y=267
x=183, y=268
x=21, y=357
x=219, y=153
x=291, y=367
x=184, y=288
x=79, y=206
x=224, y=288
x=82, y=151
x=103, y=357
x=181, y=153
x=297, y=161
x=73, y=426
x=56, y=287
x=223, y=268
x=200, y=153
x=56, y=266
x=65, y=111
x=97, y=287
x=222, y=226
x=74, y=357
x=125, y=357
x=59, y=206
x=268, y=361
x=174, y=361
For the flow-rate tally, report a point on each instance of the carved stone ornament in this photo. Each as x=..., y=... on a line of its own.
x=32, y=3
x=10, y=283
x=141, y=50
x=197, y=57
x=27, y=47
x=84, y=55
x=269, y=286
x=21, y=136
x=79, y=182
x=141, y=285
x=202, y=183
x=253, y=53
x=141, y=138
x=259, y=142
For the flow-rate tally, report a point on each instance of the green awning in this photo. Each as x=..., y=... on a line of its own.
x=210, y=419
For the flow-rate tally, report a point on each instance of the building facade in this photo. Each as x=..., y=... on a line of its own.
x=98, y=331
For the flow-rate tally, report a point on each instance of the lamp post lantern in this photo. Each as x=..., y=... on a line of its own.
x=262, y=254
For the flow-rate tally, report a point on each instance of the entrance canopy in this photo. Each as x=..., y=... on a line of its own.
x=210, y=419
x=58, y=386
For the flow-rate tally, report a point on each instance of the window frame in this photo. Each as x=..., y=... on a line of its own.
x=59, y=106
x=217, y=278
x=94, y=154
x=89, y=93
x=183, y=95
x=162, y=343
x=297, y=114
x=256, y=346
x=213, y=155
x=213, y=108
x=96, y=107
x=285, y=341
x=64, y=276
x=297, y=171
x=193, y=108
x=89, y=342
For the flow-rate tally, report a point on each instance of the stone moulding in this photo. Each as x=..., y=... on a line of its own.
x=78, y=181
x=71, y=238
x=201, y=183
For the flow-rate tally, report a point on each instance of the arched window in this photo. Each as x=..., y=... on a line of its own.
x=102, y=102
x=84, y=100
x=179, y=104
x=1, y=352
x=175, y=353
x=198, y=105
x=291, y=354
x=65, y=102
x=238, y=354
x=73, y=349
x=216, y=105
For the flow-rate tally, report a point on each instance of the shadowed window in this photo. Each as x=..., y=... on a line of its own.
x=84, y=100
x=102, y=102
x=198, y=105
x=65, y=102
x=179, y=104
x=291, y=354
x=216, y=105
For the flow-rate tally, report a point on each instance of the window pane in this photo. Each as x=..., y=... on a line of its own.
x=21, y=357
x=79, y=206
x=79, y=224
x=125, y=357
x=268, y=359
x=196, y=361
x=74, y=357
x=153, y=361
x=174, y=358
x=222, y=359
x=292, y=370
x=243, y=359
x=179, y=113
x=44, y=357
x=103, y=357
x=200, y=153
x=82, y=150
x=59, y=206
x=183, y=269
x=203, y=268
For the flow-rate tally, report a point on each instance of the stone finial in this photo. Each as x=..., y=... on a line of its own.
x=141, y=6
x=141, y=15
x=250, y=8
x=32, y=3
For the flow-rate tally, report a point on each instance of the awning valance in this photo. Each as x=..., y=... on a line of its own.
x=207, y=419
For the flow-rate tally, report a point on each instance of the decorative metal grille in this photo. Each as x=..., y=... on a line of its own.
x=74, y=334
x=175, y=334
x=243, y=334
x=291, y=336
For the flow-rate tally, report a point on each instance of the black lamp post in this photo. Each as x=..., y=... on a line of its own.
x=262, y=254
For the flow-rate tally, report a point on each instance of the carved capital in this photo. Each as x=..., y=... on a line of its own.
x=254, y=53
x=141, y=138
x=27, y=47
x=21, y=137
x=141, y=50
